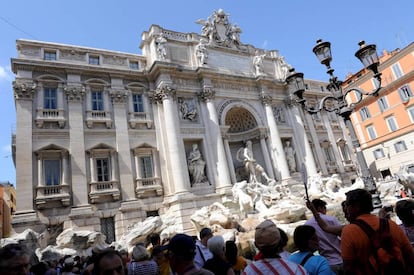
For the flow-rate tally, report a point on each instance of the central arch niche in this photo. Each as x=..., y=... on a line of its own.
x=242, y=126
x=240, y=120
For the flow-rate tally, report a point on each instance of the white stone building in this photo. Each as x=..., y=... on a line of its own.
x=103, y=138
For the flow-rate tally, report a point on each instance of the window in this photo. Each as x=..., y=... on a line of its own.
x=329, y=154
x=134, y=65
x=396, y=69
x=411, y=113
x=102, y=169
x=400, y=146
x=371, y=132
x=375, y=83
x=94, y=60
x=383, y=103
x=152, y=213
x=344, y=150
x=108, y=229
x=50, y=98
x=49, y=55
x=405, y=93
x=138, y=103
x=327, y=148
x=52, y=172
x=51, y=166
x=146, y=167
x=379, y=153
x=392, y=124
x=364, y=113
x=97, y=101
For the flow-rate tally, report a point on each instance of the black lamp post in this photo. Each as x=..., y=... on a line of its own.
x=336, y=101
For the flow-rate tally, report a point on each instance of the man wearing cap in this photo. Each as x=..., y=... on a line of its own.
x=266, y=239
x=181, y=252
x=329, y=244
x=202, y=251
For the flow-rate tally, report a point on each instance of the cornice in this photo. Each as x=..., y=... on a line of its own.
x=40, y=65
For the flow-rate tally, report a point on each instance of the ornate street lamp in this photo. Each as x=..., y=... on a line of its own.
x=336, y=101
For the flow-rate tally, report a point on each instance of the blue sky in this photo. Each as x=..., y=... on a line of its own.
x=292, y=27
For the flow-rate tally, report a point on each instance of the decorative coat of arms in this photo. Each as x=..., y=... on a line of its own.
x=218, y=30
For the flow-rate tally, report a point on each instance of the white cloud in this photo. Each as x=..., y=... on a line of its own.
x=6, y=149
x=5, y=74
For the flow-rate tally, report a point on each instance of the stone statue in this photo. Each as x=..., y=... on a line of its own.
x=290, y=157
x=406, y=178
x=245, y=201
x=161, y=47
x=258, y=63
x=196, y=166
x=201, y=52
x=284, y=68
x=185, y=110
x=251, y=165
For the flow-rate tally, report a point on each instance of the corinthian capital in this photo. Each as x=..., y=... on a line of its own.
x=119, y=96
x=207, y=93
x=164, y=91
x=74, y=93
x=266, y=99
x=24, y=89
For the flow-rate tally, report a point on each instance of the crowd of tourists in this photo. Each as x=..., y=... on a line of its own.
x=367, y=244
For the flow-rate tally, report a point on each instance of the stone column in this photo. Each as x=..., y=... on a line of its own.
x=222, y=177
x=278, y=153
x=302, y=139
x=65, y=156
x=24, y=91
x=75, y=95
x=229, y=159
x=39, y=171
x=126, y=181
x=266, y=157
x=92, y=167
x=175, y=147
x=335, y=148
x=39, y=98
x=114, y=164
x=318, y=150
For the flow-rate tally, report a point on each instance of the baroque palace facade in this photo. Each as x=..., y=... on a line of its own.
x=105, y=139
x=385, y=124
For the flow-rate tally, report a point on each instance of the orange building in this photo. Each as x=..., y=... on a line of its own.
x=385, y=123
x=7, y=208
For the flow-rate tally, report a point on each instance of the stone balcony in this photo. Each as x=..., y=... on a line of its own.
x=148, y=187
x=136, y=118
x=104, y=191
x=49, y=116
x=49, y=196
x=93, y=117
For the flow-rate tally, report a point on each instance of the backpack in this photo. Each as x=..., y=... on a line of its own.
x=386, y=257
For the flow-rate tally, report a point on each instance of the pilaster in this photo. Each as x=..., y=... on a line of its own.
x=119, y=99
x=75, y=95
